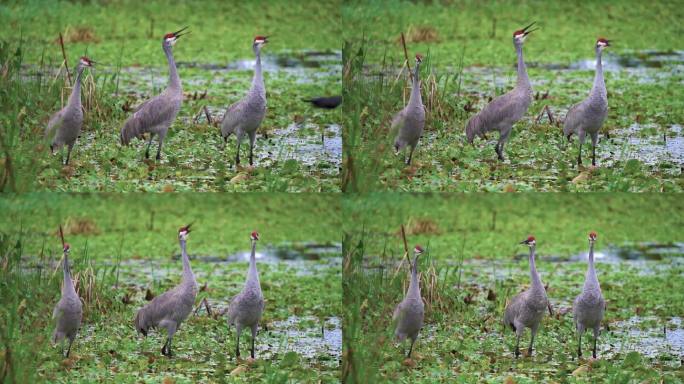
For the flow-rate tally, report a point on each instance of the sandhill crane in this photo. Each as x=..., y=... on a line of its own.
x=246, y=307
x=326, y=102
x=504, y=111
x=526, y=310
x=155, y=115
x=245, y=116
x=172, y=307
x=69, y=310
x=589, y=306
x=410, y=121
x=65, y=125
x=588, y=116
x=408, y=314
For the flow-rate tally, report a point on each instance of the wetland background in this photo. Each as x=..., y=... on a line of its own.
x=124, y=251
x=474, y=263
x=470, y=59
x=298, y=147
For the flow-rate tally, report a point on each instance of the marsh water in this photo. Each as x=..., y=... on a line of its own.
x=299, y=141
x=315, y=339
x=625, y=330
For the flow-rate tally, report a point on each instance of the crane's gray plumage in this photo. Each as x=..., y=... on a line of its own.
x=526, y=309
x=69, y=310
x=504, y=111
x=247, y=306
x=245, y=116
x=410, y=121
x=171, y=308
x=156, y=115
x=589, y=306
x=408, y=315
x=588, y=116
x=65, y=125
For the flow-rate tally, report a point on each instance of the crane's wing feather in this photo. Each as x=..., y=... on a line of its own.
x=149, y=114
x=398, y=120
x=502, y=108
x=572, y=119
x=232, y=117
x=54, y=123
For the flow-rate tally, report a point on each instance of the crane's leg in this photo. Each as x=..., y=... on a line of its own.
x=534, y=333
x=596, y=335
x=594, y=141
x=238, y=327
x=579, y=155
x=579, y=346
x=237, y=154
x=410, y=348
x=251, y=154
x=71, y=341
x=161, y=141
x=519, y=329
x=408, y=162
x=502, y=141
x=252, y=138
x=69, y=147
x=254, y=333
x=149, y=143
x=170, y=330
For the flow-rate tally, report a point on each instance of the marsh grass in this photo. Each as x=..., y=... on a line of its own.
x=474, y=266
x=29, y=293
x=124, y=252
x=462, y=74
x=35, y=85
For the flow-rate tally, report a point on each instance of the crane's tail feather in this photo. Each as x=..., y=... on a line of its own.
x=474, y=128
x=132, y=129
x=139, y=322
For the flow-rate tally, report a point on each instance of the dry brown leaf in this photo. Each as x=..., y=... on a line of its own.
x=239, y=177
x=409, y=362
x=240, y=369
x=582, y=369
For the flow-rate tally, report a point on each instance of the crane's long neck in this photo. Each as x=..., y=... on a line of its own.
x=68, y=286
x=252, y=273
x=591, y=281
x=258, y=79
x=414, y=285
x=599, y=87
x=188, y=275
x=523, y=79
x=415, y=98
x=174, y=80
x=534, y=276
x=75, y=97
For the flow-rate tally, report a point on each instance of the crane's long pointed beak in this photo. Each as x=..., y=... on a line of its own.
x=531, y=24
x=178, y=33
x=527, y=32
x=180, y=30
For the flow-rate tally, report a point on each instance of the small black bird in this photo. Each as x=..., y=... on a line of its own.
x=330, y=102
